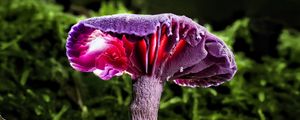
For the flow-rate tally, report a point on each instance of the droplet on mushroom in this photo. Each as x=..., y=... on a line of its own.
x=181, y=69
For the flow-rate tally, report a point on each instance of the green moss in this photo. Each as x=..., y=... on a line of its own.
x=36, y=81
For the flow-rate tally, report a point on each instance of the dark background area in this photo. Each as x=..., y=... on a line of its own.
x=37, y=82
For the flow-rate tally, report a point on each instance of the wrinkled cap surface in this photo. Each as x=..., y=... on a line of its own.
x=167, y=46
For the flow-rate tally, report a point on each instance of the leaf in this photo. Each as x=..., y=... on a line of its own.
x=46, y=98
x=261, y=96
x=170, y=102
x=60, y=113
x=24, y=77
x=213, y=91
x=261, y=114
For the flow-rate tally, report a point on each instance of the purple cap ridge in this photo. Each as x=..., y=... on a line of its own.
x=191, y=55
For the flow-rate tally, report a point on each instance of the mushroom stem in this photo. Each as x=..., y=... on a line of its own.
x=146, y=97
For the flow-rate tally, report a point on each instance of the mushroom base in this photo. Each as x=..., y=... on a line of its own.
x=146, y=97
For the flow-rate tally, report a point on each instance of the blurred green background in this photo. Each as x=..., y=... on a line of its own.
x=37, y=82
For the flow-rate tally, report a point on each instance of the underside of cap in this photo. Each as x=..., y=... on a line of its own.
x=167, y=46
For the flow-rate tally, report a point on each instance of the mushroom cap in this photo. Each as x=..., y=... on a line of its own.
x=167, y=46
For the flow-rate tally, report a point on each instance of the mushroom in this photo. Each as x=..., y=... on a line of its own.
x=152, y=49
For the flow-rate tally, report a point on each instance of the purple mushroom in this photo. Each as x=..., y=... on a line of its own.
x=152, y=49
